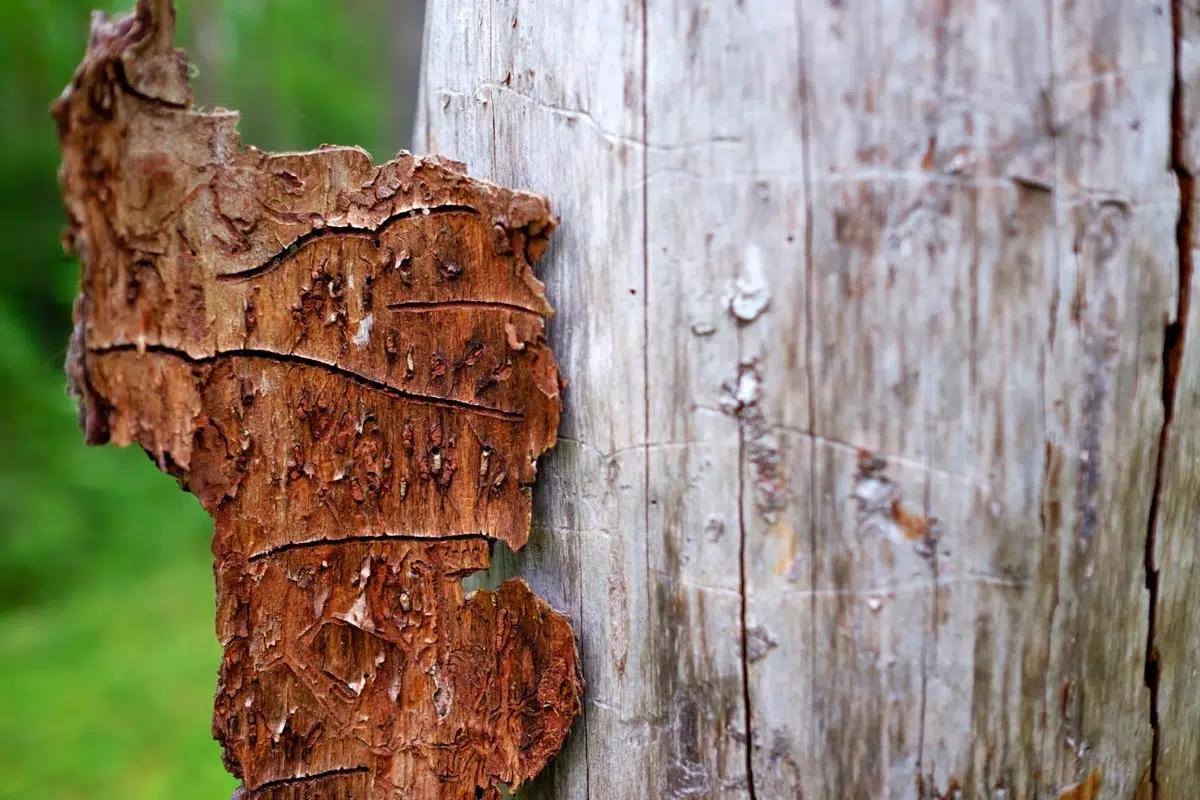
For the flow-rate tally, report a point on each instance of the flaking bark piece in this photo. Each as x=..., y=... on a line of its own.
x=347, y=365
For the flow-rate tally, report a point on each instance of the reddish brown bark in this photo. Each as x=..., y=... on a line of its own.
x=347, y=365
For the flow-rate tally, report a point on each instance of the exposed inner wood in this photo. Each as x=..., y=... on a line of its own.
x=945, y=234
x=347, y=365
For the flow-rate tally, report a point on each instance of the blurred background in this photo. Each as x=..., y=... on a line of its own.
x=108, y=656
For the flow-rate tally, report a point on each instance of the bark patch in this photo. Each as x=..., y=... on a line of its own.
x=347, y=364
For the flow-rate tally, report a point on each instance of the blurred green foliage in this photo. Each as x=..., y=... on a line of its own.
x=107, y=652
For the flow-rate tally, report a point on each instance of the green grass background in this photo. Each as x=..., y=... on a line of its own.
x=107, y=652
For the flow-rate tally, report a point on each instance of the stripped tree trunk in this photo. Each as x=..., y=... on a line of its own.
x=877, y=473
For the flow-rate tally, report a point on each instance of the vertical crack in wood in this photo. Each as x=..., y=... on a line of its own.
x=809, y=344
x=744, y=640
x=1047, y=529
x=745, y=644
x=934, y=609
x=1050, y=128
x=646, y=298
x=929, y=643
x=1173, y=347
x=495, y=81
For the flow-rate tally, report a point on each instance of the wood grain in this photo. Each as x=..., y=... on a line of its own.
x=347, y=364
x=867, y=317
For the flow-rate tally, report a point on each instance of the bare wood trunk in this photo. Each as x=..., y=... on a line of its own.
x=876, y=319
x=347, y=365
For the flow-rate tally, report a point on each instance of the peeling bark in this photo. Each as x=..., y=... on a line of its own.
x=347, y=365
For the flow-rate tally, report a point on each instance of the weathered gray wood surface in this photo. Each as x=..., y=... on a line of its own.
x=865, y=309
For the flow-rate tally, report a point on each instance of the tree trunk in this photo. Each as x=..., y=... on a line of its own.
x=877, y=467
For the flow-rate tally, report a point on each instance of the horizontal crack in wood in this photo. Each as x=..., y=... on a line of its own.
x=297, y=360
x=287, y=252
x=316, y=776
x=451, y=305
x=365, y=539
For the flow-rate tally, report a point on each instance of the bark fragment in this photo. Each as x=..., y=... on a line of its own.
x=347, y=365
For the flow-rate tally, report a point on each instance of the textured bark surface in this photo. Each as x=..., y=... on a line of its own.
x=950, y=234
x=347, y=365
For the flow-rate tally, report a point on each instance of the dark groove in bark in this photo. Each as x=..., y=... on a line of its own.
x=1173, y=347
x=316, y=234
x=417, y=306
x=364, y=539
x=316, y=776
x=296, y=360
